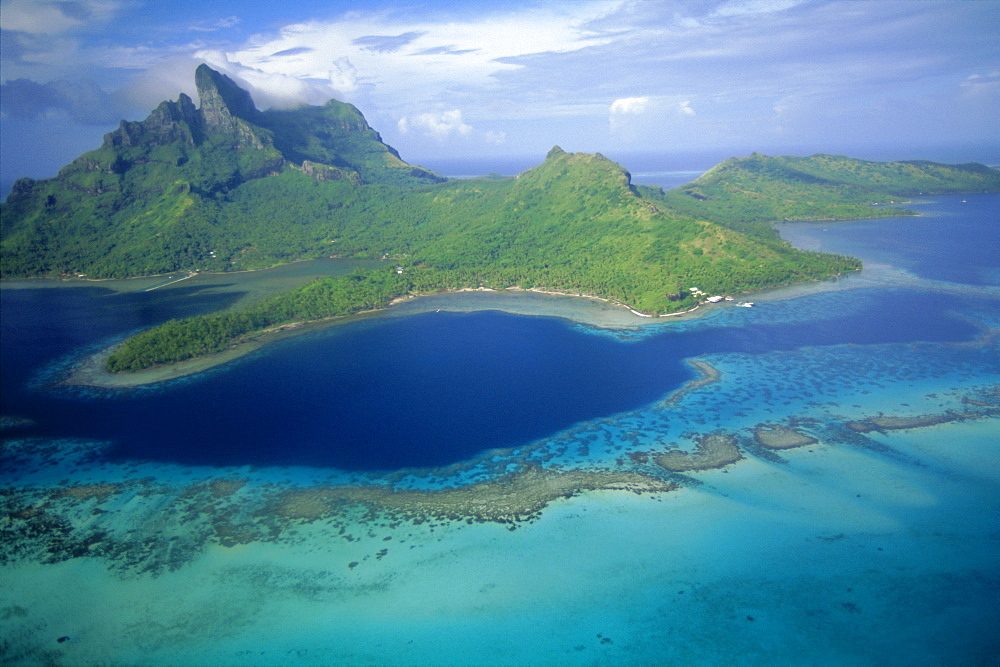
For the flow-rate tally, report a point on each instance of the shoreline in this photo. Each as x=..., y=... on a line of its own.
x=91, y=372
x=83, y=279
x=536, y=290
x=609, y=301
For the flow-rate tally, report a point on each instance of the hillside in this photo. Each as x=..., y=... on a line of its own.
x=576, y=223
x=226, y=186
x=171, y=192
x=751, y=193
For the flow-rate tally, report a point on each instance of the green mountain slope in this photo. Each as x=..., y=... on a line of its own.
x=751, y=193
x=154, y=197
x=575, y=223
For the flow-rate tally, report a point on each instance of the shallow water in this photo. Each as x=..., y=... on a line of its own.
x=198, y=521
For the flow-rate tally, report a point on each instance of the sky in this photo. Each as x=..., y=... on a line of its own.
x=499, y=81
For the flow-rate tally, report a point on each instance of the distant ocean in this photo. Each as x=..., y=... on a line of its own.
x=333, y=498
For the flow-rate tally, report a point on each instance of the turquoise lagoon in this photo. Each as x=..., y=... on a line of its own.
x=473, y=478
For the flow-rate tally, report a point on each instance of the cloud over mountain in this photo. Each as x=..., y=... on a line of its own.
x=439, y=125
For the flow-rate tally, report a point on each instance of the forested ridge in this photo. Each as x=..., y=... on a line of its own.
x=228, y=187
x=753, y=192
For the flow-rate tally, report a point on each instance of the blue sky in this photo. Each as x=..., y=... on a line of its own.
x=490, y=80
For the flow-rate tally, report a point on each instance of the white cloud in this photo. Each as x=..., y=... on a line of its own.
x=282, y=91
x=626, y=116
x=38, y=17
x=640, y=106
x=405, y=62
x=163, y=80
x=44, y=40
x=629, y=106
x=982, y=83
x=213, y=26
x=439, y=125
x=638, y=119
x=496, y=138
x=343, y=75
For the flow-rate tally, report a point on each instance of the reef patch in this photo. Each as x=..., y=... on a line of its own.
x=143, y=527
x=776, y=436
x=895, y=423
x=101, y=492
x=715, y=450
x=519, y=496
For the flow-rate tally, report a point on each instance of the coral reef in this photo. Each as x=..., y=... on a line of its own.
x=781, y=437
x=712, y=451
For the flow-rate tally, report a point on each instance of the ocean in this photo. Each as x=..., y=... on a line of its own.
x=516, y=478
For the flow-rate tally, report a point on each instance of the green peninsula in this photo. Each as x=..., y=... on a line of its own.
x=225, y=187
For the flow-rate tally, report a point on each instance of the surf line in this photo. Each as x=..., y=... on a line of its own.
x=171, y=282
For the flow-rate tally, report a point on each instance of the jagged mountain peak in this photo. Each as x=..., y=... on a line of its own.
x=222, y=100
x=225, y=109
x=168, y=122
x=318, y=140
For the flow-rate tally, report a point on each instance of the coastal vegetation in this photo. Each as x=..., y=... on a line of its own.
x=177, y=340
x=227, y=187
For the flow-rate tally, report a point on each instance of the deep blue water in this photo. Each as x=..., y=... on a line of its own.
x=439, y=388
x=957, y=240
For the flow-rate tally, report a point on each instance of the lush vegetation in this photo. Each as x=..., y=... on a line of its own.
x=178, y=340
x=192, y=189
x=751, y=193
x=226, y=186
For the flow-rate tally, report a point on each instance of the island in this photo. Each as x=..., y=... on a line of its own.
x=227, y=187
